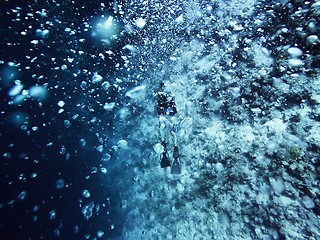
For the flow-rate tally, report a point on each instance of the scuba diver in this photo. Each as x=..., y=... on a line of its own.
x=166, y=109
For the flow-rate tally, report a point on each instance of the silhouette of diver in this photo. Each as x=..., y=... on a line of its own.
x=166, y=108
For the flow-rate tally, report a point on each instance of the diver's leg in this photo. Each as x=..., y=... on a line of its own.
x=174, y=138
x=175, y=145
x=165, y=161
x=162, y=131
x=175, y=165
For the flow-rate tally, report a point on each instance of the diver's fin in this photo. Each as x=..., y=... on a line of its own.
x=175, y=152
x=165, y=160
x=176, y=168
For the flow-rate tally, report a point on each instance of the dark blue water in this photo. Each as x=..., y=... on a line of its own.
x=31, y=161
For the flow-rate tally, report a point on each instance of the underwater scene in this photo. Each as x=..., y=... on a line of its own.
x=160, y=119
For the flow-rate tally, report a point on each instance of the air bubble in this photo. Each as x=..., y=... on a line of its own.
x=60, y=183
x=86, y=194
x=22, y=196
x=52, y=214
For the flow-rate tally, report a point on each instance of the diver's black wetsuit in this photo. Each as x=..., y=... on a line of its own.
x=166, y=106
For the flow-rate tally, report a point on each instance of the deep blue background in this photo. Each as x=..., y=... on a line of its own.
x=29, y=149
